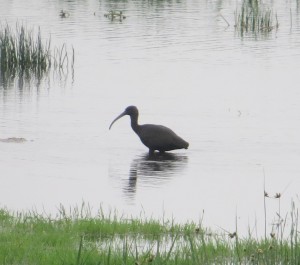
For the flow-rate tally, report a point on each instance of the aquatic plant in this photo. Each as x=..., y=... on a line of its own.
x=255, y=18
x=22, y=52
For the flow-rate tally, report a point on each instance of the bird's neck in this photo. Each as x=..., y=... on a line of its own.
x=134, y=124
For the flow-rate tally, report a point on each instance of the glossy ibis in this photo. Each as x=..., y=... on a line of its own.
x=155, y=137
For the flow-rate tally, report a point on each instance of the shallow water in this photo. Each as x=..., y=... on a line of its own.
x=234, y=99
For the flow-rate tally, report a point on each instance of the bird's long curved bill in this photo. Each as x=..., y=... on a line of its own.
x=120, y=116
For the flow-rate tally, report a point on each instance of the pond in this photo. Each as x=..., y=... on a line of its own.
x=233, y=96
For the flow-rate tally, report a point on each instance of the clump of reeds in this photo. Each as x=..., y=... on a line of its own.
x=255, y=18
x=23, y=51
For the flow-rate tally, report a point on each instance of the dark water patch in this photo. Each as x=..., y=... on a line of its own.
x=13, y=140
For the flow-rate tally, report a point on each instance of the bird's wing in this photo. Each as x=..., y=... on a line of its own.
x=157, y=136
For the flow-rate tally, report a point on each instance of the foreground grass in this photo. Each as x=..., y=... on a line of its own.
x=79, y=238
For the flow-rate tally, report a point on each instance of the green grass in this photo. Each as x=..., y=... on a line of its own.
x=253, y=17
x=77, y=237
x=24, y=52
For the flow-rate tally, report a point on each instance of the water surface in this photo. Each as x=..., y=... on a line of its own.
x=234, y=99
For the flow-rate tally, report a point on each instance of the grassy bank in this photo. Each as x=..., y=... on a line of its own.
x=78, y=238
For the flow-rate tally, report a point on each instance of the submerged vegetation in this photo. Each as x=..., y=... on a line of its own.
x=77, y=237
x=254, y=17
x=24, y=53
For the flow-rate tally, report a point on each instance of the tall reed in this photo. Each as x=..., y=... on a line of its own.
x=254, y=17
x=24, y=51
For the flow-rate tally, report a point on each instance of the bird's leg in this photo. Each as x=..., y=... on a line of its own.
x=151, y=152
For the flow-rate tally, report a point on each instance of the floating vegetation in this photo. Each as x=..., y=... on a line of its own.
x=115, y=15
x=255, y=18
x=64, y=14
x=24, y=53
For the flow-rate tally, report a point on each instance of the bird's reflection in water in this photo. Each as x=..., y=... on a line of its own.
x=148, y=171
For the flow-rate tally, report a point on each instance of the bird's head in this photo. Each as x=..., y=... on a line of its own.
x=132, y=111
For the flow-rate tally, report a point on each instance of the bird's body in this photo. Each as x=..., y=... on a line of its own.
x=155, y=137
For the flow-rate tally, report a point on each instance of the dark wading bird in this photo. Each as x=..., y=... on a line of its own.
x=155, y=137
